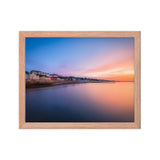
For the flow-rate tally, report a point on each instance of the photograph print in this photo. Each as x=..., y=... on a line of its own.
x=79, y=79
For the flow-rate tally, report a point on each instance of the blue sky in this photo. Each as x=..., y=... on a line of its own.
x=75, y=56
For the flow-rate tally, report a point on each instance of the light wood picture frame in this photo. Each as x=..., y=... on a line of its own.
x=81, y=125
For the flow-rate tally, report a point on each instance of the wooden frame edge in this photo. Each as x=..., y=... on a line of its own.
x=138, y=79
x=80, y=33
x=96, y=125
x=21, y=79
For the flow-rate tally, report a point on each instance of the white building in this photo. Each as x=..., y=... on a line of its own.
x=33, y=76
x=27, y=75
x=44, y=78
x=36, y=72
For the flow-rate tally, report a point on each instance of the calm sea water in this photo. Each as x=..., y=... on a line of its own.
x=87, y=102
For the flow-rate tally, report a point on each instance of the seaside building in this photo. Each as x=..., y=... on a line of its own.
x=33, y=76
x=36, y=72
x=27, y=75
x=54, y=77
x=39, y=75
x=42, y=77
x=47, y=74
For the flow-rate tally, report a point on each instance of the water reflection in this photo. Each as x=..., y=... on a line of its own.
x=88, y=102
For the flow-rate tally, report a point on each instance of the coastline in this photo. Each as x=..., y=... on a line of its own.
x=48, y=83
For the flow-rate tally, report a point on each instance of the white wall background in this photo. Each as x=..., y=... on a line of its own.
x=113, y=15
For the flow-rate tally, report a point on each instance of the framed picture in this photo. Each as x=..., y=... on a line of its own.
x=79, y=79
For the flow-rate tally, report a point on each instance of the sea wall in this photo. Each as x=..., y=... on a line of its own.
x=38, y=83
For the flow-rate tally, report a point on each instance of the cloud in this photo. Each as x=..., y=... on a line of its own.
x=122, y=70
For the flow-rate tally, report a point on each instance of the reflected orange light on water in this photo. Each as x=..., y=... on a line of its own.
x=119, y=97
x=85, y=102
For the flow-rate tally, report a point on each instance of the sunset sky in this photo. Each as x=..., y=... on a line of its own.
x=103, y=58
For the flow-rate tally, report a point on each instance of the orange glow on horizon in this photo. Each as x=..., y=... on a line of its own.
x=118, y=71
x=123, y=77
